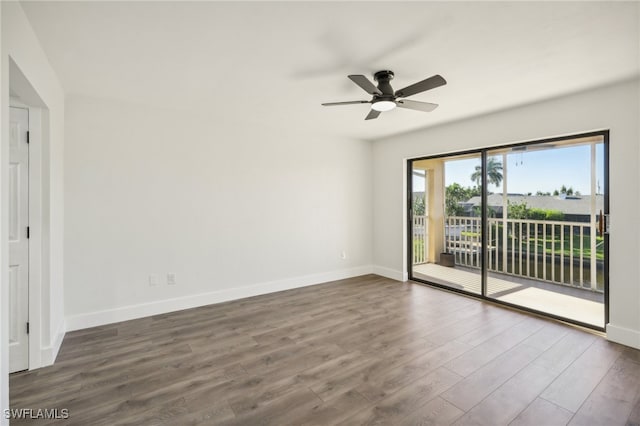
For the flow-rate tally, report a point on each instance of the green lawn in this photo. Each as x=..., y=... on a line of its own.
x=558, y=246
x=565, y=248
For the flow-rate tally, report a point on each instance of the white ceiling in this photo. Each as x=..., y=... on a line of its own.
x=276, y=62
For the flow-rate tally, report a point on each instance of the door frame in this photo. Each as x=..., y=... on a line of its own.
x=35, y=232
x=483, y=253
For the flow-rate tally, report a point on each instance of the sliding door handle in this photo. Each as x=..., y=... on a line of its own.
x=601, y=224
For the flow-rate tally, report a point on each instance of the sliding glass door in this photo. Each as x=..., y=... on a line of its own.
x=523, y=225
x=547, y=252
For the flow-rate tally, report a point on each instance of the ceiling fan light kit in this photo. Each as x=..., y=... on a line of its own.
x=383, y=105
x=384, y=97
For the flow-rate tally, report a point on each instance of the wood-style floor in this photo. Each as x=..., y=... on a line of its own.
x=366, y=350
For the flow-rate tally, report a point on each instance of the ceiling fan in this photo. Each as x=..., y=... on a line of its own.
x=385, y=99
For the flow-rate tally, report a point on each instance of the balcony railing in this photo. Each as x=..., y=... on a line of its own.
x=420, y=240
x=567, y=253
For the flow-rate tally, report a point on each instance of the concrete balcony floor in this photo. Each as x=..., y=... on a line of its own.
x=572, y=303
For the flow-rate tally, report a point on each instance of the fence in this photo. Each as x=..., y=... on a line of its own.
x=420, y=241
x=560, y=252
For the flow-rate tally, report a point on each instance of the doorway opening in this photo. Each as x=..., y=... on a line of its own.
x=523, y=225
x=18, y=239
x=28, y=298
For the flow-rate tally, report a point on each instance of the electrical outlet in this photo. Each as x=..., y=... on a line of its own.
x=171, y=279
x=153, y=280
x=343, y=255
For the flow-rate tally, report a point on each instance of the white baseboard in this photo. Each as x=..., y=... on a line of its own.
x=49, y=353
x=624, y=336
x=125, y=313
x=390, y=273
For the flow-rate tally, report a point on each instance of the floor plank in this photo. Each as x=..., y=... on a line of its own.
x=435, y=412
x=542, y=412
x=482, y=354
x=574, y=385
x=506, y=402
x=416, y=394
x=473, y=389
x=614, y=398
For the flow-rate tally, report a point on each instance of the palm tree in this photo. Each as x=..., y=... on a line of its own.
x=494, y=172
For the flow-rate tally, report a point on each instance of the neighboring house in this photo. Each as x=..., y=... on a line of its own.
x=575, y=208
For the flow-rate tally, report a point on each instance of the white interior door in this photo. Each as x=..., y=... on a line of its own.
x=18, y=240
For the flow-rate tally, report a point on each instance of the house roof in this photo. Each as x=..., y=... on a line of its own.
x=578, y=205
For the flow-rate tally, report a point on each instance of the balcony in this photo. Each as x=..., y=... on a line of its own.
x=543, y=265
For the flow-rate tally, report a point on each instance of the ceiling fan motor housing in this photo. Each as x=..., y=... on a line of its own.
x=383, y=78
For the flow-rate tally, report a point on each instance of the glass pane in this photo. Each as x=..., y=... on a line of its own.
x=546, y=253
x=446, y=222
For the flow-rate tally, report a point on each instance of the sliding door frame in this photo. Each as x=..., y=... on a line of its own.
x=483, y=252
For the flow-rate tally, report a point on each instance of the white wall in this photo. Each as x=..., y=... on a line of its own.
x=615, y=108
x=4, y=253
x=233, y=209
x=20, y=45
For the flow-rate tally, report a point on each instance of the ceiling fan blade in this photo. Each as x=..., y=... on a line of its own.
x=372, y=114
x=344, y=103
x=365, y=84
x=421, y=86
x=418, y=106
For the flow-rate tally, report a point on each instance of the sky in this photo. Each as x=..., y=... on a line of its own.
x=532, y=171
